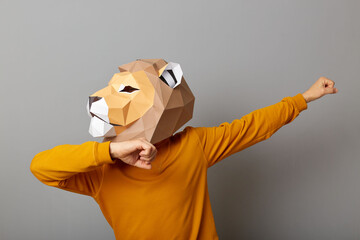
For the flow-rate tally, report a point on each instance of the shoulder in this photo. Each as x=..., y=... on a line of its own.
x=188, y=134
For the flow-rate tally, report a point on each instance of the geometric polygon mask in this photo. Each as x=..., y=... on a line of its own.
x=148, y=98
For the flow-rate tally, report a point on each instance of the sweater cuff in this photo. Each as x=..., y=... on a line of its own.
x=300, y=102
x=102, y=153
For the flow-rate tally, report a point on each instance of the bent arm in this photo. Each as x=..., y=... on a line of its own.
x=221, y=141
x=75, y=168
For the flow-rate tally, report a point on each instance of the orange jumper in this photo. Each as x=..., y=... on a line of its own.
x=170, y=201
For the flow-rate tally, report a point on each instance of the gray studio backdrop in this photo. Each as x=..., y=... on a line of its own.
x=237, y=56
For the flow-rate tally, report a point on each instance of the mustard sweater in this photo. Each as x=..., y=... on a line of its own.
x=170, y=201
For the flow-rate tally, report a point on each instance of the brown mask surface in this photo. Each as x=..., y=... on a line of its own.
x=148, y=98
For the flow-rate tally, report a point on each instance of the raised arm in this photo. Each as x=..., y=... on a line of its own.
x=221, y=141
x=79, y=168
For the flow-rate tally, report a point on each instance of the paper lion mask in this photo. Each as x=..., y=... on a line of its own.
x=148, y=98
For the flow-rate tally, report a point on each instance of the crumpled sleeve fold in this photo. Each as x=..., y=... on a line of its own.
x=75, y=168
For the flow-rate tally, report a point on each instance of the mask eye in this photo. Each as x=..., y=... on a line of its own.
x=127, y=89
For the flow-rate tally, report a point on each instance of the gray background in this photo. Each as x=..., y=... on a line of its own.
x=237, y=56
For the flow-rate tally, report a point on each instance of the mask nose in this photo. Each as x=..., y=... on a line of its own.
x=91, y=100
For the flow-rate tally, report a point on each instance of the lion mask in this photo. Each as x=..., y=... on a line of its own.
x=149, y=98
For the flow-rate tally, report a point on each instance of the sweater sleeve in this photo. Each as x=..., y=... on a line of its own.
x=228, y=138
x=75, y=168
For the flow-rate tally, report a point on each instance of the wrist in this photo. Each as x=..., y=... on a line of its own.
x=306, y=97
x=112, y=151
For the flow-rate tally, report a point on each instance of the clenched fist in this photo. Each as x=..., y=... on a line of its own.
x=139, y=152
x=320, y=88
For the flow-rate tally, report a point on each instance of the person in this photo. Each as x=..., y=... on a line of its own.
x=159, y=191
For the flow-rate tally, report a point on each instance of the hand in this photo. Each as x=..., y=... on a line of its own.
x=139, y=152
x=320, y=88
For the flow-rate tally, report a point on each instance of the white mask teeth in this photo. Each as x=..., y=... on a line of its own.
x=99, y=128
x=100, y=109
x=100, y=125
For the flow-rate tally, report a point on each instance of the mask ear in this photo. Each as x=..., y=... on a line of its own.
x=172, y=74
